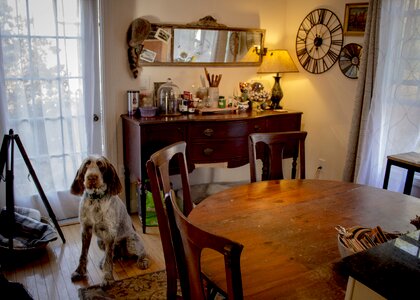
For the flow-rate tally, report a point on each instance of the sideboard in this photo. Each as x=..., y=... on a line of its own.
x=210, y=138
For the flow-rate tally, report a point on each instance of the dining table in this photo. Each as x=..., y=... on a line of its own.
x=288, y=229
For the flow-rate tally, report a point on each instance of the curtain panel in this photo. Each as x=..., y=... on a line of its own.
x=390, y=123
x=48, y=87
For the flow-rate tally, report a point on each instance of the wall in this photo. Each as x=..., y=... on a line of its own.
x=326, y=100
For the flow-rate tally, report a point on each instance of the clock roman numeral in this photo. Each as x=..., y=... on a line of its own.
x=321, y=17
x=332, y=55
x=312, y=18
x=337, y=42
x=336, y=28
x=315, y=67
x=301, y=52
x=324, y=65
x=300, y=39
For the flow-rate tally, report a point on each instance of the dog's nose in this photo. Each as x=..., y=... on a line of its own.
x=92, y=177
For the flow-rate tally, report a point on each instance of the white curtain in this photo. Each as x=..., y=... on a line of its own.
x=49, y=94
x=393, y=124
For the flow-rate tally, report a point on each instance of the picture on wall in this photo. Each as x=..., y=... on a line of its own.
x=355, y=18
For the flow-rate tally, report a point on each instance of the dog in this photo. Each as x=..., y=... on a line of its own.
x=103, y=213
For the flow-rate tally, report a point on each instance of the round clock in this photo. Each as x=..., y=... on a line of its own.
x=319, y=40
x=349, y=60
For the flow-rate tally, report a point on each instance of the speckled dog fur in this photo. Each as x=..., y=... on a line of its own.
x=102, y=212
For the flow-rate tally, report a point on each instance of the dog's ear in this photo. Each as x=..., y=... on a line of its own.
x=77, y=187
x=111, y=178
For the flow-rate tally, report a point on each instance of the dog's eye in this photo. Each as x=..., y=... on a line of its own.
x=101, y=165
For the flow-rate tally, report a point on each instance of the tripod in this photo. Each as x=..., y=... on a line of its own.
x=6, y=159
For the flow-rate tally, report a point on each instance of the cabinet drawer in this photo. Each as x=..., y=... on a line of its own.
x=283, y=123
x=218, y=130
x=256, y=126
x=219, y=151
x=164, y=133
x=156, y=137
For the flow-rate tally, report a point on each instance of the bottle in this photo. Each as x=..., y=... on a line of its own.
x=168, y=97
x=222, y=102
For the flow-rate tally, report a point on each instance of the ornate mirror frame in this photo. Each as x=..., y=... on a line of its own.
x=202, y=43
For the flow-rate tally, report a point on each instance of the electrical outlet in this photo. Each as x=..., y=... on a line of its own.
x=321, y=164
x=320, y=168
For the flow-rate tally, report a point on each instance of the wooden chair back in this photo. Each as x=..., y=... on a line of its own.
x=159, y=175
x=193, y=240
x=275, y=144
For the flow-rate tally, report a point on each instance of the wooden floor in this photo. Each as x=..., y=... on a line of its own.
x=47, y=275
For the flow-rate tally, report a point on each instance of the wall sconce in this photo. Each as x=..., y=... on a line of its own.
x=259, y=52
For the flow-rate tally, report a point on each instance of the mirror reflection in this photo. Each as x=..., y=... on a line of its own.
x=181, y=45
x=209, y=46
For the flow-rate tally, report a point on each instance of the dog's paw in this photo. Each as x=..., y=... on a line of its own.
x=143, y=263
x=77, y=275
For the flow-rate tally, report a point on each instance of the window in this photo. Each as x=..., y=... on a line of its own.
x=44, y=87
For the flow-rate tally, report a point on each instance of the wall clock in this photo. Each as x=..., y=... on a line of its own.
x=319, y=40
x=349, y=60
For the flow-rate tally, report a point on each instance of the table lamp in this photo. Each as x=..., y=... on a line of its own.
x=277, y=61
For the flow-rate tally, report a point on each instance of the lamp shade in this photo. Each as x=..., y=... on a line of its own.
x=277, y=61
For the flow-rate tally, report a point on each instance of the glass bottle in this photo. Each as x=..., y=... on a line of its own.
x=168, y=97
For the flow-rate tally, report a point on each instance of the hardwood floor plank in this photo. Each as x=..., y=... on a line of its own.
x=48, y=277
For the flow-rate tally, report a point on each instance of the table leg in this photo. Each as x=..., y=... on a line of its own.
x=409, y=182
x=141, y=194
x=387, y=172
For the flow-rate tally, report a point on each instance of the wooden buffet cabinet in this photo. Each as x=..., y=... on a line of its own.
x=210, y=138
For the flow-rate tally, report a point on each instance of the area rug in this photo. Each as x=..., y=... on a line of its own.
x=146, y=286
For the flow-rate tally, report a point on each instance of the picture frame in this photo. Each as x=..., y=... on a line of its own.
x=355, y=18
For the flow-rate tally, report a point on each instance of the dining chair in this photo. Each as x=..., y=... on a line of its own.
x=158, y=171
x=193, y=240
x=275, y=146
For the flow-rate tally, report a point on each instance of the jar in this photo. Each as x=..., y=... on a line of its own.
x=168, y=97
x=133, y=102
x=222, y=102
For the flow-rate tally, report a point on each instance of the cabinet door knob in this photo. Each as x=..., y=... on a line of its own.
x=208, y=151
x=208, y=132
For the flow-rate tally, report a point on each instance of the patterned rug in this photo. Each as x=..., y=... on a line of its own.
x=146, y=286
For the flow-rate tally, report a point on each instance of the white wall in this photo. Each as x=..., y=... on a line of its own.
x=326, y=100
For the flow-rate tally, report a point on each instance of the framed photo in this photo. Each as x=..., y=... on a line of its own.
x=355, y=18
x=163, y=35
x=148, y=55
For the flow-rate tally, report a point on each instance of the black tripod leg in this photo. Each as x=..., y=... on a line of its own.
x=10, y=202
x=4, y=151
x=39, y=187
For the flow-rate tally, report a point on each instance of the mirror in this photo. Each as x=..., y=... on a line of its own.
x=202, y=43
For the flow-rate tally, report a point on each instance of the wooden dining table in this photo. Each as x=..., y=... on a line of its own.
x=288, y=231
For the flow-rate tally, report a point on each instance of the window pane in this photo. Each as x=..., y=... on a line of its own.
x=68, y=15
x=47, y=104
x=42, y=17
x=69, y=51
x=72, y=94
x=13, y=19
x=14, y=49
x=44, y=57
x=53, y=131
x=19, y=100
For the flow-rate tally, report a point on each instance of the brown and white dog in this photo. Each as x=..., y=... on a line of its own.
x=102, y=212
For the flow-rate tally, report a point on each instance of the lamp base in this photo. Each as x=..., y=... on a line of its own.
x=276, y=93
